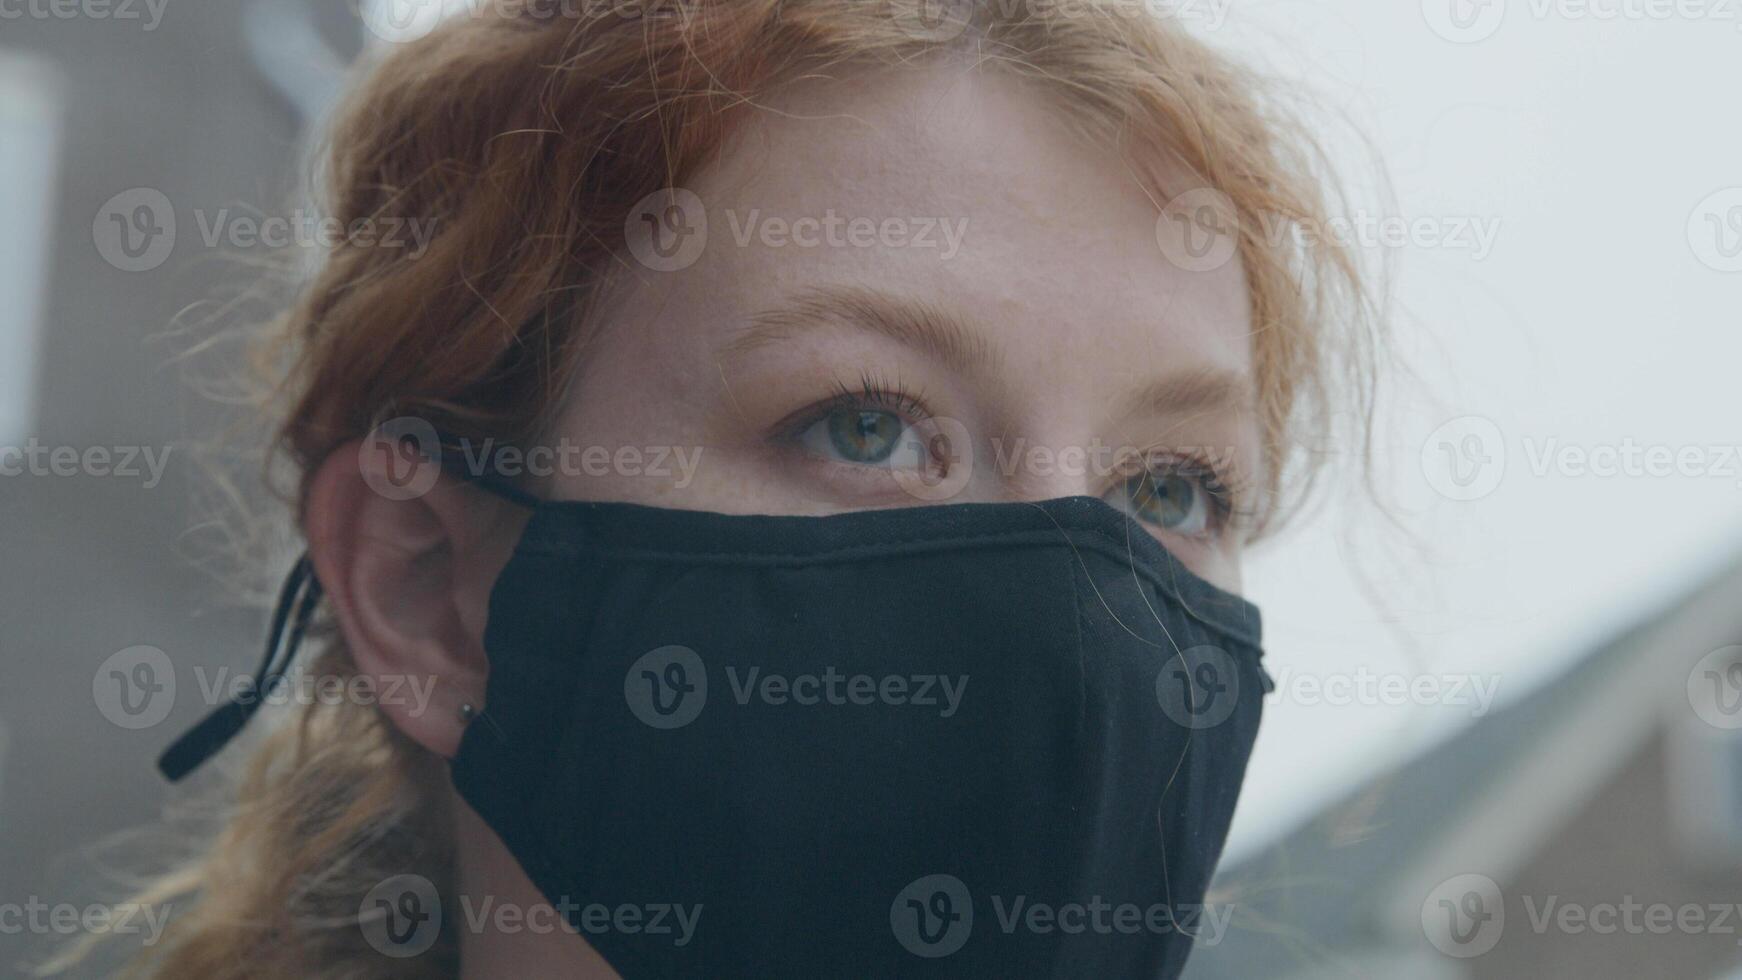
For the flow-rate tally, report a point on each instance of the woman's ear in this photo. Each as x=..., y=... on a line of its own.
x=407, y=566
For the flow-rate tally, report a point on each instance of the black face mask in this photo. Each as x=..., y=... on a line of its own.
x=972, y=740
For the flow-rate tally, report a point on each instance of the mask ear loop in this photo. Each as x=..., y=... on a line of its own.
x=297, y=600
x=300, y=592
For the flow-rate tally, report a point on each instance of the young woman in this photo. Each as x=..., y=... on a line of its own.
x=797, y=496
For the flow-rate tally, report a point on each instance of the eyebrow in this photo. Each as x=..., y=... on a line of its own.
x=908, y=322
x=929, y=330
x=1195, y=391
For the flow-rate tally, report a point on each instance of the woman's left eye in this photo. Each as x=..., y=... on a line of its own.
x=863, y=436
x=1177, y=500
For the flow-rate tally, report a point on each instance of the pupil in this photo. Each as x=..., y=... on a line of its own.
x=864, y=437
x=1166, y=501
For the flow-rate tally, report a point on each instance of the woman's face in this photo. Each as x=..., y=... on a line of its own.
x=920, y=287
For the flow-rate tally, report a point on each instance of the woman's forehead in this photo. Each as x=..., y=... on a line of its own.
x=963, y=194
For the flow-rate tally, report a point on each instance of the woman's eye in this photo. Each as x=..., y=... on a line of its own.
x=868, y=437
x=1179, y=502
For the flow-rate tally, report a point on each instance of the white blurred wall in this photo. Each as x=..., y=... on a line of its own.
x=29, y=158
x=1601, y=148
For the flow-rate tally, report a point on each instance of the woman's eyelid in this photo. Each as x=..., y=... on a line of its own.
x=1219, y=473
x=886, y=394
x=1224, y=486
x=910, y=407
x=1224, y=479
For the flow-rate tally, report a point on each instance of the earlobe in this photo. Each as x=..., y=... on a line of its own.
x=408, y=579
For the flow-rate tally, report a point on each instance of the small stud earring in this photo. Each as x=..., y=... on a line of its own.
x=466, y=713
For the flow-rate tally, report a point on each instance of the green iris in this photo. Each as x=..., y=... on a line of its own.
x=865, y=436
x=1165, y=500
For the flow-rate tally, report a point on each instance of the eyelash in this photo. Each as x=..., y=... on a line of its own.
x=1225, y=491
x=874, y=393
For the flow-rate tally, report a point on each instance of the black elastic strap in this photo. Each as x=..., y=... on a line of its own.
x=300, y=593
x=290, y=618
x=492, y=483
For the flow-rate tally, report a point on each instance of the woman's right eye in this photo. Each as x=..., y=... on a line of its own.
x=860, y=436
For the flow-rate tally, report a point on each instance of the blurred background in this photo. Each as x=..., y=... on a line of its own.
x=1506, y=739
